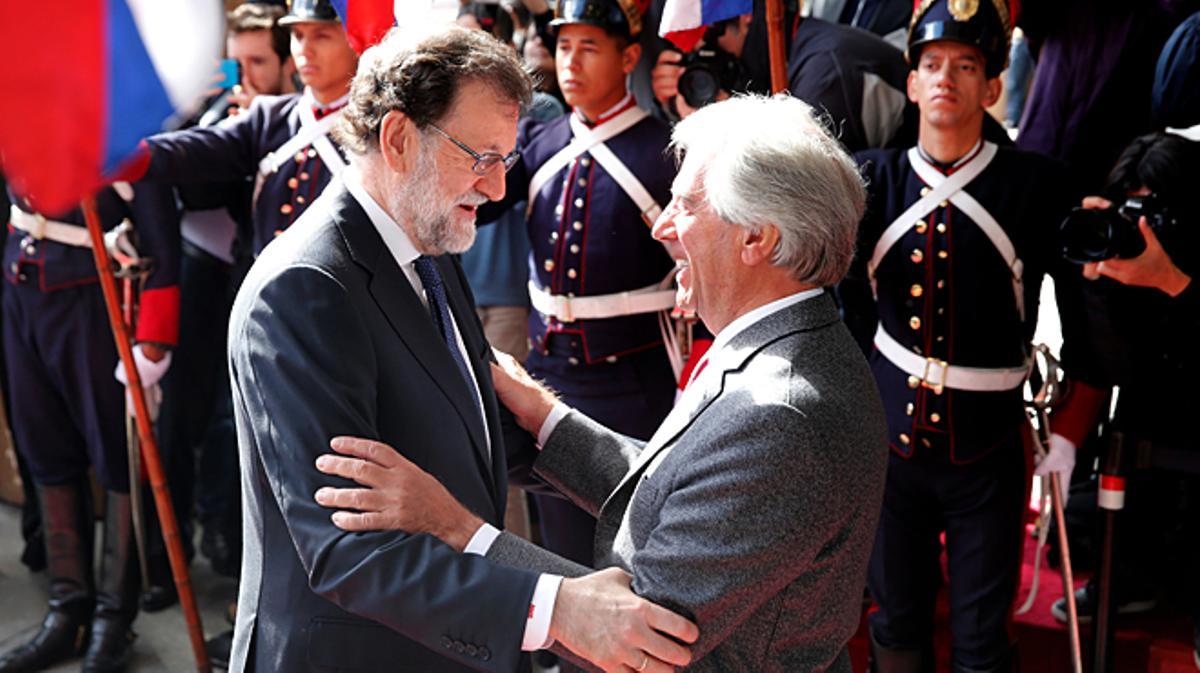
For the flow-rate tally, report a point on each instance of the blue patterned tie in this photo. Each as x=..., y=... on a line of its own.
x=435, y=292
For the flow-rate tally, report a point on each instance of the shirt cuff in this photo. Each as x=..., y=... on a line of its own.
x=482, y=540
x=541, y=609
x=556, y=414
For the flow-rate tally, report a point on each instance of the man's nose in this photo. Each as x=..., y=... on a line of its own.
x=664, y=226
x=491, y=184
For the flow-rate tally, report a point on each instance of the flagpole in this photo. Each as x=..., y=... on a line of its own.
x=150, y=456
x=775, y=46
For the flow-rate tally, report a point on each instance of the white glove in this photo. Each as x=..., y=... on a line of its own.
x=1060, y=459
x=151, y=373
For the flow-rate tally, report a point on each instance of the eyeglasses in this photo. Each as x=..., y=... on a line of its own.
x=483, y=162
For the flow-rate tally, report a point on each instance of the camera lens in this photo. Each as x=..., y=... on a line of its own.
x=699, y=86
x=1087, y=235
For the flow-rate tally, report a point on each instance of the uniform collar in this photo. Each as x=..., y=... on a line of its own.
x=625, y=103
x=949, y=169
x=322, y=109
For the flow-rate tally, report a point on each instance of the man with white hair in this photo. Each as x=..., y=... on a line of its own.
x=753, y=507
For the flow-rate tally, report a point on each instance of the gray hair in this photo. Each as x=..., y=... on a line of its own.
x=419, y=70
x=770, y=160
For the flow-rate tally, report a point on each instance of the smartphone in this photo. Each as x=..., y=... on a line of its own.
x=231, y=73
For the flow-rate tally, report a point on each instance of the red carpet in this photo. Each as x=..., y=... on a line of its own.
x=1155, y=642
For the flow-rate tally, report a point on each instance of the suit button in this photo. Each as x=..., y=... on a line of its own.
x=921, y=227
x=299, y=199
x=904, y=439
x=577, y=225
x=582, y=182
x=571, y=273
x=941, y=284
x=549, y=265
x=303, y=175
x=943, y=254
x=553, y=236
x=612, y=359
x=917, y=256
x=916, y=290
x=558, y=210
x=935, y=417
x=30, y=250
x=914, y=322
x=447, y=643
x=472, y=650
x=944, y=204
x=578, y=203
x=941, y=227
x=286, y=209
x=908, y=409
x=913, y=382
x=574, y=361
x=924, y=191
x=585, y=161
x=574, y=249
x=485, y=653
x=312, y=153
x=293, y=183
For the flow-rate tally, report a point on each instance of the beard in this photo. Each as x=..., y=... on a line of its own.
x=436, y=221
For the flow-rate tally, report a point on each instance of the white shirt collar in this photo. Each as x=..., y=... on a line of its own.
x=971, y=154
x=609, y=112
x=332, y=105
x=742, y=322
x=390, y=231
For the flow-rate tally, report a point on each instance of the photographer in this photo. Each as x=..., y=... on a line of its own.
x=854, y=77
x=1143, y=312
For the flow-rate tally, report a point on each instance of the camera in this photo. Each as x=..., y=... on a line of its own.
x=1090, y=235
x=707, y=71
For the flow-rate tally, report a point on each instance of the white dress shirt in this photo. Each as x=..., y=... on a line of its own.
x=537, y=624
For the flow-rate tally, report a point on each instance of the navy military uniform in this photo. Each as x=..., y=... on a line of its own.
x=590, y=240
x=68, y=410
x=250, y=145
x=957, y=272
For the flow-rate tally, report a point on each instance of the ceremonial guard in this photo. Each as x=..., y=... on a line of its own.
x=956, y=240
x=282, y=142
x=596, y=179
x=68, y=409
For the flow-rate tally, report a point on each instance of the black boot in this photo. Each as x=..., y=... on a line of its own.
x=64, y=632
x=112, y=638
x=888, y=660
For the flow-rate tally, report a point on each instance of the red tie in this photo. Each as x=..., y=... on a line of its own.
x=696, y=371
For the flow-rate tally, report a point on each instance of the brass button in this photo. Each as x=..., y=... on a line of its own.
x=312, y=153
x=916, y=290
x=921, y=227
x=924, y=191
x=916, y=349
x=293, y=183
x=549, y=265
x=582, y=182
x=926, y=443
x=574, y=249
x=941, y=311
x=943, y=254
x=914, y=322
x=299, y=198
x=943, y=204
x=941, y=284
x=908, y=408
x=940, y=339
x=558, y=210
x=553, y=236
x=935, y=417
x=571, y=273
x=917, y=256
x=612, y=359
x=286, y=209
x=577, y=225
x=585, y=161
x=913, y=382
x=15, y=267
x=904, y=439
x=30, y=250
x=941, y=227
x=578, y=203
x=303, y=175
x=300, y=157
x=573, y=360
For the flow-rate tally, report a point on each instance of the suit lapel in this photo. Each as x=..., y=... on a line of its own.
x=394, y=295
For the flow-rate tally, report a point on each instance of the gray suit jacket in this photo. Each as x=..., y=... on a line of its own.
x=753, y=508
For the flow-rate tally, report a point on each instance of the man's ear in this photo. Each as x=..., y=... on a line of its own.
x=912, y=87
x=629, y=57
x=398, y=141
x=992, y=94
x=758, y=247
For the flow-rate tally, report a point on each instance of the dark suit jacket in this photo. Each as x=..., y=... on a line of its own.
x=328, y=338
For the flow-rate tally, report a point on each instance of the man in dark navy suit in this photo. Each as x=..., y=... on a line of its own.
x=957, y=238
x=595, y=180
x=358, y=321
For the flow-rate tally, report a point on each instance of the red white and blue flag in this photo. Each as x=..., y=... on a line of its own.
x=684, y=21
x=85, y=80
x=367, y=21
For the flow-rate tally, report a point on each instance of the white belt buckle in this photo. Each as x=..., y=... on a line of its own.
x=933, y=365
x=562, y=309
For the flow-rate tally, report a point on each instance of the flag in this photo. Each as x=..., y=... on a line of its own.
x=684, y=21
x=367, y=21
x=85, y=80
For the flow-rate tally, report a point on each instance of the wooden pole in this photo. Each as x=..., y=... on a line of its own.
x=150, y=457
x=775, y=46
